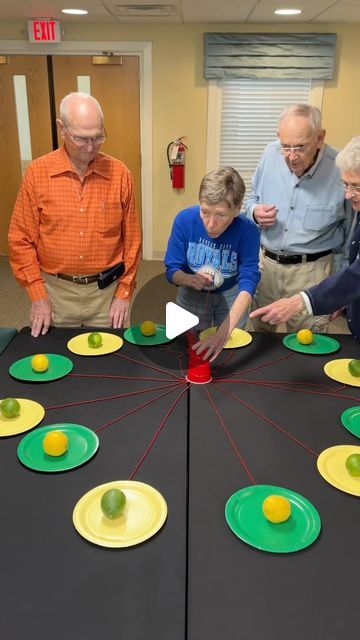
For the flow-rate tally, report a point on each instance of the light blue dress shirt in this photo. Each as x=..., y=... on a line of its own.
x=313, y=214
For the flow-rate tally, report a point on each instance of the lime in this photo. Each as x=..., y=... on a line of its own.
x=276, y=508
x=55, y=443
x=354, y=367
x=40, y=363
x=304, y=336
x=10, y=407
x=352, y=463
x=113, y=503
x=148, y=328
x=95, y=339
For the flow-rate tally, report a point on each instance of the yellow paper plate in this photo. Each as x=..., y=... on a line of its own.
x=145, y=513
x=238, y=337
x=338, y=370
x=331, y=465
x=79, y=344
x=31, y=413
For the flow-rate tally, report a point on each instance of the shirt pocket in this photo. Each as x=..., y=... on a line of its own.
x=110, y=219
x=318, y=217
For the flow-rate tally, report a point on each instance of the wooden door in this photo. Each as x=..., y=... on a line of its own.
x=33, y=69
x=117, y=88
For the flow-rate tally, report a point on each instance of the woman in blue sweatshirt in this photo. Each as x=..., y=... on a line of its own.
x=213, y=257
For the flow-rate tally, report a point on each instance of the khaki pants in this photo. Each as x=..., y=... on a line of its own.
x=79, y=305
x=285, y=280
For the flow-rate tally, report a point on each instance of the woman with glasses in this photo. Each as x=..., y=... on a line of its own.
x=74, y=235
x=299, y=205
x=342, y=289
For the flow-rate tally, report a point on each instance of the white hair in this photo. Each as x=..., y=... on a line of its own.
x=76, y=97
x=348, y=159
x=312, y=114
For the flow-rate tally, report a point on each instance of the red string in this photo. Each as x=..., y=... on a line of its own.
x=179, y=355
x=265, y=383
x=106, y=375
x=261, y=415
x=264, y=364
x=141, y=406
x=115, y=397
x=157, y=433
x=144, y=364
x=237, y=452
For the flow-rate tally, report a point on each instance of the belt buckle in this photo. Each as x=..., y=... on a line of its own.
x=80, y=279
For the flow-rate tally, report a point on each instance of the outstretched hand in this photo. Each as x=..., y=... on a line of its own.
x=280, y=311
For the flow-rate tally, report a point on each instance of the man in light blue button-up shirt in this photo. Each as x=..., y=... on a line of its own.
x=298, y=202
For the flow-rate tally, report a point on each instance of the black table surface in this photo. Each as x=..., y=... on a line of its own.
x=194, y=579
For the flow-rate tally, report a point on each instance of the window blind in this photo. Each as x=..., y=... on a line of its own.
x=249, y=119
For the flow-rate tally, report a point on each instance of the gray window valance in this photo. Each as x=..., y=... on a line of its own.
x=269, y=55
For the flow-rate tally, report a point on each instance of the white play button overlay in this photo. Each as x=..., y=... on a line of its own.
x=178, y=320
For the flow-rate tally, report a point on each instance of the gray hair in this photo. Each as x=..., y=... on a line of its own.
x=348, y=159
x=223, y=185
x=312, y=114
x=68, y=101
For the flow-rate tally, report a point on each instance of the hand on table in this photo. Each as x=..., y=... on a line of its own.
x=280, y=310
x=265, y=215
x=119, y=311
x=41, y=315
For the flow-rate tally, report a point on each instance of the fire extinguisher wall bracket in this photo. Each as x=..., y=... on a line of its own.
x=176, y=159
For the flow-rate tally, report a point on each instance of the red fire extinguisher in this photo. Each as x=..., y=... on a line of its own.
x=176, y=159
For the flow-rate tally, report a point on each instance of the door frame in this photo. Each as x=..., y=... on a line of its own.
x=144, y=51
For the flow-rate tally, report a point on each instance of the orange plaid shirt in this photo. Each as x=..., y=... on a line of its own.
x=62, y=226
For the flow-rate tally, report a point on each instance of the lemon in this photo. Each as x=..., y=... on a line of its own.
x=10, y=407
x=113, y=503
x=94, y=339
x=55, y=443
x=352, y=464
x=148, y=328
x=354, y=367
x=40, y=363
x=304, y=336
x=276, y=508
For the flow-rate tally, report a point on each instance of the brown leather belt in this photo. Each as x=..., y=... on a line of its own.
x=76, y=279
x=286, y=258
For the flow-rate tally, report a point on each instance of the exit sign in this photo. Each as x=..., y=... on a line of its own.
x=44, y=30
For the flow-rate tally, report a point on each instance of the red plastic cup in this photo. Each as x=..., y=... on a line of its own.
x=199, y=370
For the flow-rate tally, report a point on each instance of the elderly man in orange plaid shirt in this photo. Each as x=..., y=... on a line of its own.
x=74, y=235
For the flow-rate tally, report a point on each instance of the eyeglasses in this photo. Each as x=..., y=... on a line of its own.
x=285, y=149
x=352, y=188
x=79, y=141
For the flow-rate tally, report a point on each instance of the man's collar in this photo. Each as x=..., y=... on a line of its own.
x=63, y=164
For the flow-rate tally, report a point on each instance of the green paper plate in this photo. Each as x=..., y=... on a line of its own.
x=59, y=366
x=134, y=335
x=350, y=419
x=243, y=513
x=82, y=445
x=321, y=344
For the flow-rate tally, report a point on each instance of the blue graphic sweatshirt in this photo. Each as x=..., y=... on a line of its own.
x=235, y=253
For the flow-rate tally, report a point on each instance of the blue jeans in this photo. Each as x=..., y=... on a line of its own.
x=211, y=308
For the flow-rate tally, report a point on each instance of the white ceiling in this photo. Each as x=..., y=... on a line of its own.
x=184, y=11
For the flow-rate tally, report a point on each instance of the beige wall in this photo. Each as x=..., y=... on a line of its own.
x=180, y=95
